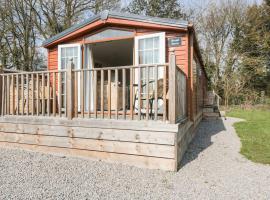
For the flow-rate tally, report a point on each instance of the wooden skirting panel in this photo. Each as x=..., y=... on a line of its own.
x=186, y=133
x=147, y=145
x=153, y=145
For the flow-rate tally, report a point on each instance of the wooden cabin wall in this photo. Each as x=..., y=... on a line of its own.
x=184, y=57
x=181, y=51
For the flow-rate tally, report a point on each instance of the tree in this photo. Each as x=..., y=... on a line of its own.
x=24, y=23
x=215, y=31
x=54, y=16
x=157, y=8
x=19, y=36
x=252, y=43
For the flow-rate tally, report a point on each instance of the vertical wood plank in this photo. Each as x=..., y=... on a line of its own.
x=124, y=92
x=102, y=93
x=139, y=92
x=60, y=94
x=33, y=93
x=117, y=93
x=164, y=93
x=89, y=78
x=54, y=95
x=82, y=92
x=8, y=94
x=49, y=95
x=3, y=95
x=76, y=94
x=131, y=93
x=95, y=93
x=43, y=94
x=13, y=94
x=17, y=93
x=65, y=94
x=172, y=92
x=109, y=94
x=37, y=97
x=147, y=92
x=70, y=97
x=22, y=92
x=27, y=96
x=156, y=92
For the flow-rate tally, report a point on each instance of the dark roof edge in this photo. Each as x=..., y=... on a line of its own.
x=105, y=14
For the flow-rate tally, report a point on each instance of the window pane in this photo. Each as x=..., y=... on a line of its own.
x=75, y=52
x=141, y=57
x=75, y=61
x=149, y=43
x=69, y=51
x=148, y=57
x=156, y=42
x=67, y=60
x=156, y=56
x=63, y=52
x=141, y=44
x=63, y=63
x=143, y=70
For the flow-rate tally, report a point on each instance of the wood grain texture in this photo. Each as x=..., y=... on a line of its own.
x=151, y=137
x=154, y=150
x=132, y=160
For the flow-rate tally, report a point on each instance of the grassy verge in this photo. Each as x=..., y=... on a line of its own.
x=254, y=134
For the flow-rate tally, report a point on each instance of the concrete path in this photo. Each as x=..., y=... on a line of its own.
x=211, y=169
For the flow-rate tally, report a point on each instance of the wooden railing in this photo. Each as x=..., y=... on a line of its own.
x=123, y=92
x=177, y=92
x=31, y=93
x=144, y=92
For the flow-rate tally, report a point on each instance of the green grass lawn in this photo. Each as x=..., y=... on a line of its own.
x=254, y=134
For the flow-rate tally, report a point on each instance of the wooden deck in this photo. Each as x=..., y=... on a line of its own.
x=147, y=126
x=150, y=145
x=147, y=144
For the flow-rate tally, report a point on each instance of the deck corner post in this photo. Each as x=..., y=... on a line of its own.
x=172, y=92
x=70, y=90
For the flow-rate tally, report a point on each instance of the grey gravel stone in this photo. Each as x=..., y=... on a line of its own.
x=212, y=168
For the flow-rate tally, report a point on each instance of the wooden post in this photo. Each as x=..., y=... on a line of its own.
x=70, y=90
x=172, y=91
x=1, y=92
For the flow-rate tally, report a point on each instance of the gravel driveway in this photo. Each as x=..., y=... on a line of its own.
x=212, y=169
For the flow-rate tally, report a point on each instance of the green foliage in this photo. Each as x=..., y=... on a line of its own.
x=254, y=134
x=252, y=44
x=157, y=8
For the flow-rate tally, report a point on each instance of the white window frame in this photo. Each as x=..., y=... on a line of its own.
x=162, y=55
x=66, y=46
x=78, y=66
x=162, y=46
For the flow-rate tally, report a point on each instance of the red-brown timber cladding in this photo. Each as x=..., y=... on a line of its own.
x=184, y=53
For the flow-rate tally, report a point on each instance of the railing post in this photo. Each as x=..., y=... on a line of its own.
x=172, y=88
x=70, y=90
x=1, y=92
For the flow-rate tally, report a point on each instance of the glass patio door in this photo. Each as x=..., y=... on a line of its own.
x=69, y=53
x=149, y=49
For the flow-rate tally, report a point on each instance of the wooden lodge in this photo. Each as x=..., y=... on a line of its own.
x=119, y=87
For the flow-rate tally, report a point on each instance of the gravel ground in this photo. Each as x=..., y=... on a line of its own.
x=211, y=169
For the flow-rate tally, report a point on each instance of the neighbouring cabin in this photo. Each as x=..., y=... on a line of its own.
x=119, y=87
